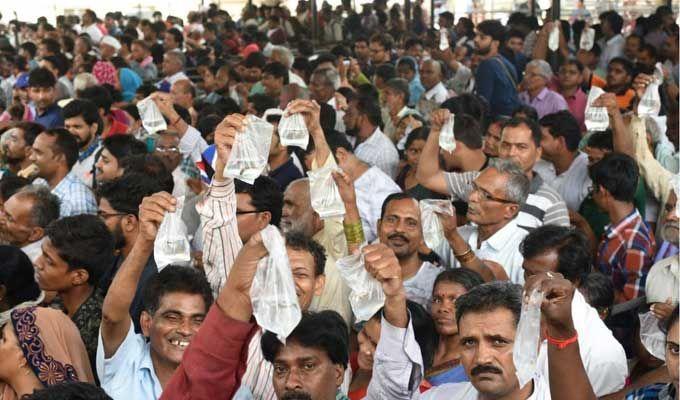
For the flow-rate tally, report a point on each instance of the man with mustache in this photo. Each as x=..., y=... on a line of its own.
x=81, y=119
x=487, y=318
x=17, y=148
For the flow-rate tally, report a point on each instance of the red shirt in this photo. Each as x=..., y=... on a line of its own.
x=116, y=128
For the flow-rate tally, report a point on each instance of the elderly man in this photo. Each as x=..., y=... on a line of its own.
x=183, y=94
x=431, y=76
x=173, y=69
x=537, y=95
x=109, y=47
x=322, y=86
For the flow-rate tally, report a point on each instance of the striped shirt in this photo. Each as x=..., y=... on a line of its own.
x=543, y=206
x=626, y=254
x=657, y=391
x=379, y=151
x=259, y=372
x=75, y=197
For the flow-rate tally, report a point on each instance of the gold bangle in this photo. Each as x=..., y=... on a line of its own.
x=354, y=233
x=466, y=256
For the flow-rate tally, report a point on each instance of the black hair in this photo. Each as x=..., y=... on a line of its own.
x=16, y=275
x=177, y=35
x=123, y=145
x=277, y=70
x=470, y=104
x=384, y=39
x=408, y=62
x=261, y=102
x=527, y=110
x=515, y=33
x=325, y=330
x=368, y=90
x=301, y=242
x=646, y=47
x=627, y=65
x=69, y=391
x=615, y=20
x=619, y=174
x=563, y=124
x=52, y=45
x=265, y=195
x=31, y=130
x=413, y=41
x=467, y=131
x=9, y=185
x=602, y=140
x=572, y=248
x=467, y=278
x=336, y=141
x=99, y=96
x=598, y=290
x=64, y=143
x=493, y=28
x=59, y=62
x=207, y=124
x=146, y=89
x=125, y=194
x=30, y=48
x=175, y=279
x=489, y=297
x=41, y=77
x=672, y=319
x=421, y=133
x=574, y=62
x=150, y=165
x=370, y=108
x=394, y=197
x=516, y=122
x=255, y=60
x=340, y=50
x=83, y=108
x=83, y=241
x=385, y=72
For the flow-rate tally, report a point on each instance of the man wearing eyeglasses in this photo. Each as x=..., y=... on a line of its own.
x=182, y=168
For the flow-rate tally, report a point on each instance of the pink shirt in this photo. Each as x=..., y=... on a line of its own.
x=577, y=107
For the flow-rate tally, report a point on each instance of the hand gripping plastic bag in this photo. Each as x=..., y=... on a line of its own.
x=554, y=38
x=447, y=140
x=151, y=116
x=544, y=4
x=366, y=295
x=597, y=118
x=650, y=102
x=250, y=151
x=171, y=246
x=443, y=39
x=527, y=339
x=275, y=304
x=652, y=337
x=433, y=231
x=324, y=194
x=587, y=39
x=293, y=130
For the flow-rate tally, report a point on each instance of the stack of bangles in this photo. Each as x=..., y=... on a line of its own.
x=354, y=233
x=465, y=257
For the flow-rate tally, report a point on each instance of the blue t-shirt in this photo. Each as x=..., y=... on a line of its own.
x=494, y=83
x=51, y=118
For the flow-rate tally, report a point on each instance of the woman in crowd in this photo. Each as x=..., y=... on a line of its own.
x=406, y=179
x=17, y=284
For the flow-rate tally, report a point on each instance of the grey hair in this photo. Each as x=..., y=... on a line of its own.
x=178, y=56
x=45, y=204
x=543, y=68
x=298, y=91
x=330, y=75
x=286, y=54
x=83, y=81
x=517, y=187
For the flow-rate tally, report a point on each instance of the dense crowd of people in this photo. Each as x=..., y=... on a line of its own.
x=549, y=148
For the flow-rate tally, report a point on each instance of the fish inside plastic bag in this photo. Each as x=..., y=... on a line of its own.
x=554, y=38
x=171, y=246
x=651, y=335
x=433, y=231
x=587, y=39
x=447, y=139
x=443, y=39
x=650, y=102
x=527, y=339
x=366, y=294
x=324, y=194
x=275, y=304
x=597, y=118
x=250, y=151
x=293, y=130
x=151, y=116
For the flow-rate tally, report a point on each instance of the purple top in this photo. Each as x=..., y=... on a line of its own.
x=547, y=102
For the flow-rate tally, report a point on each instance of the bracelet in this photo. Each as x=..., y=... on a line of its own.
x=562, y=343
x=176, y=121
x=466, y=256
x=354, y=233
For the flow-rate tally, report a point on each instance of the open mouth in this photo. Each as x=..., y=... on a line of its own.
x=181, y=344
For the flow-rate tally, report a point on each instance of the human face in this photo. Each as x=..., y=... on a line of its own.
x=361, y=50
x=180, y=96
x=172, y=327
x=318, y=89
x=415, y=51
x=517, y=145
x=632, y=47
x=170, y=66
x=83, y=132
x=400, y=227
x=42, y=97
x=487, y=339
x=272, y=85
x=112, y=219
x=405, y=72
x=406, y=124
x=430, y=75
x=646, y=60
x=305, y=373
x=516, y=44
x=307, y=282
x=368, y=339
x=443, y=307
x=169, y=42
x=53, y=273
x=595, y=154
x=43, y=156
x=669, y=229
x=552, y=146
x=483, y=43
x=107, y=51
x=534, y=81
x=107, y=167
x=544, y=262
x=393, y=100
x=252, y=74
x=413, y=152
x=492, y=140
x=248, y=218
x=15, y=222
x=617, y=77
x=672, y=351
x=569, y=76
x=15, y=148
x=167, y=148
x=297, y=214
x=378, y=53
x=488, y=204
x=138, y=52
x=11, y=354
x=351, y=116
x=81, y=46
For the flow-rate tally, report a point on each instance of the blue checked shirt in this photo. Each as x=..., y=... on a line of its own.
x=74, y=197
x=657, y=391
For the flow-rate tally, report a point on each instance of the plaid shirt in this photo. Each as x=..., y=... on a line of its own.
x=626, y=253
x=657, y=391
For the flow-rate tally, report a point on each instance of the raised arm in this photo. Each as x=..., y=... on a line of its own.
x=354, y=233
x=429, y=174
x=311, y=112
x=116, y=308
x=621, y=137
x=191, y=142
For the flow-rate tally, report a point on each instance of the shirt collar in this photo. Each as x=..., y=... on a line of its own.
x=614, y=38
x=503, y=236
x=432, y=92
x=90, y=149
x=536, y=183
x=612, y=230
x=542, y=94
x=61, y=186
x=576, y=94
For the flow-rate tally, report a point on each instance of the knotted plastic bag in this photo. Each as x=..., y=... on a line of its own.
x=653, y=339
x=447, y=140
x=433, y=231
x=587, y=39
x=366, y=295
x=293, y=130
x=275, y=304
x=650, y=102
x=151, y=116
x=171, y=246
x=250, y=151
x=324, y=194
x=443, y=39
x=554, y=37
x=527, y=339
x=597, y=118
x=544, y=4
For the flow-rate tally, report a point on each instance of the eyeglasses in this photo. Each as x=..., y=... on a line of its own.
x=486, y=196
x=105, y=215
x=247, y=212
x=173, y=149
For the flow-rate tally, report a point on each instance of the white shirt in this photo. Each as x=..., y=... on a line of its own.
x=33, y=250
x=294, y=78
x=178, y=76
x=94, y=32
x=371, y=189
x=379, y=151
x=612, y=48
x=573, y=183
x=83, y=169
x=432, y=99
x=192, y=144
x=663, y=281
x=339, y=115
x=419, y=286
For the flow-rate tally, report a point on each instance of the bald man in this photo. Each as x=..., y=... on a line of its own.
x=183, y=94
x=431, y=76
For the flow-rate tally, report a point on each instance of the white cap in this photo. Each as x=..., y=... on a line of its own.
x=111, y=41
